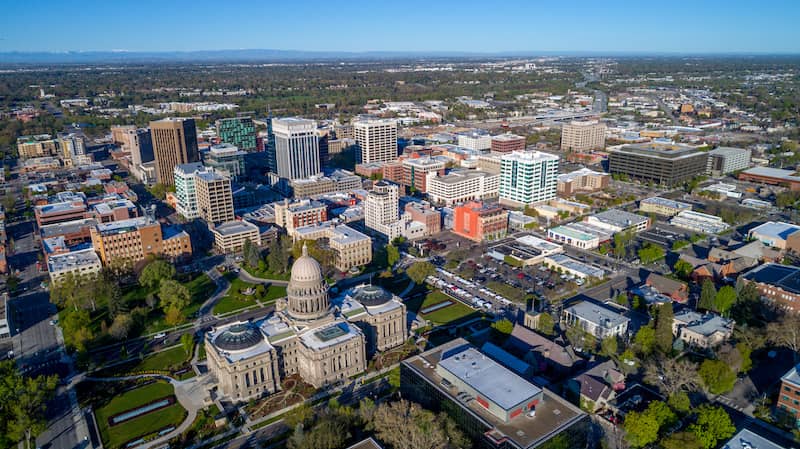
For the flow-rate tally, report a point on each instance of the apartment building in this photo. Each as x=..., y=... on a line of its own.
x=376, y=140
x=789, y=396
x=127, y=242
x=186, y=188
x=41, y=145
x=460, y=186
x=528, y=177
x=214, y=197
x=381, y=206
x=582, y=136
x=480, y=221
x=174, y=143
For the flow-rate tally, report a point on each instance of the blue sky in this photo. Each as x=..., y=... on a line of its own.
x=681, y=26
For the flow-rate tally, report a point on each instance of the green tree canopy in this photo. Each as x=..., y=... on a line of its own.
x=155, y=272
x=663, y=330
x=724, y=299
x=708, y=295
x=419, y=271
x=171, y=293
x=717, y=376
x=713, y=424
x=645, y=340
x=546, y=324
x=392, y=254
x=22, y=405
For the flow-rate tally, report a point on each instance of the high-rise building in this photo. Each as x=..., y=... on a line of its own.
x=416, y=169
x=475, y=140
x=376, y=140
x=238, y=131
x=580, y=136
x=724, y=160
x=661, y=163
x=186, y=190
x=269, y=147
x=226, y=159
x=214, y=197
x=71, y=145
x=136, y=141
x=528, y=177
x=296, y=148
x=381, y=206
x=174, y=143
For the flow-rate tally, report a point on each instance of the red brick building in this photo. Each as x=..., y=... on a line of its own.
x=479, y=221
x=789, y=397
x=506, y=143
x=427, y=215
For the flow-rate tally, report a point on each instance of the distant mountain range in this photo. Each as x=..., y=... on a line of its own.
x=269, y=55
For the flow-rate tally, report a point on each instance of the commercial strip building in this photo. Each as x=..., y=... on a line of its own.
x=81, y=263
x=596, y=319
x=582, y=180
x=616, y=220
x=296, y=148
x=583, y=136
x=495, y=407
x=507, y=143
x=127, y=242
x=528, y=177
x=699, y=222
x=480, y=221
x=229, y=237
x=779, y=284
x=724, y=160
x=460, y=186
x=174, y=143
x=570, y=266
x=351, y=248
x=574, y=237
x=668, y=164
x=777, y=235
x=526, y=250
x=772, y=176
x=376, y=140
x=663, y=206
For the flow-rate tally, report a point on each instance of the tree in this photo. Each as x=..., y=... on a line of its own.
x=785, y=332
x=670, y=375
x=406, y=425
x=645, y=340
x=299, y=416
x=22, y=405
x=545, y=324
x=713, y=424
x=76, y=329
x=419, y=271
x=683, y=269
x=325, y=434
x=502, y=328
x=679, y=401
x=159, y=191
x=650, y=253
x=717, y=376
x=663, y=330
x=681, y=440
x=155, y=272
x=708, y=295
x=646, y=425
x=173, y=316
x=171, y=293
x=724, y=299
x=609, y=346
x=621, y=242
x=121, y=326
x=250, y=254
x=392, y=254
x=187, y=342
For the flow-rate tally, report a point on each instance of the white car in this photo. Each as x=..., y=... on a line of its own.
x=159, y=336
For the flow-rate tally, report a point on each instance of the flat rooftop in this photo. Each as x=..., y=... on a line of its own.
x=784, y=276
x=620, y=218
x=746, y=439
x=769, y=172
x=235, y=227
x=669, y=151
x=553, y=414
x=775, y=229
x=331, y=335
x=457, y=176
x=667, y=203
x=67, y=227
x=118, y=227
x=72, y=260
x=597, y=314
x=573, y=233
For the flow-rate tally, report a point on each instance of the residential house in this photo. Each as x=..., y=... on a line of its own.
x=701, y=331
x=597, y=386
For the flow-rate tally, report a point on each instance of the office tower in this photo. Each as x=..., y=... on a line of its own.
x=724, y=160
x=238, y=131
x=376, y=140
x=580, y=136
x=323, y=148
x=296, y=148
x=381, y=205
x=126, y=242
x=186, y=189
x=214, y=197
x=174, y=142
x=475, y=140
x=135, y=141
x=528, y=177
x=269, y=147
x=661, y=163
x=226, y=159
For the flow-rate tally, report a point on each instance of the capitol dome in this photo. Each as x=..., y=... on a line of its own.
x=307, y=292
x=372, y=295
x=306, y=269
x=238, y=337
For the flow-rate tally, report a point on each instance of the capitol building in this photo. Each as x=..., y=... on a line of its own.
x=322, y=340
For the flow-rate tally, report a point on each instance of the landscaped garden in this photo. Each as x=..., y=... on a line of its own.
x=244, y=294
x=294, y=390
x=440, y=309
x=138, y=414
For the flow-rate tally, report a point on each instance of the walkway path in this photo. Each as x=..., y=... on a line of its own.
x=247, y=277
x=222, y=288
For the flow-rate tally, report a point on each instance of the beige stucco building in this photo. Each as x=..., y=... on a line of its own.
x=307, y=335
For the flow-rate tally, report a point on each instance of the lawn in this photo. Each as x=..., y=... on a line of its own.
x=165, y=360
x=201, y=288
x=117, y=436
x=446, y=315
x=236, y=300
x=265, y=274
